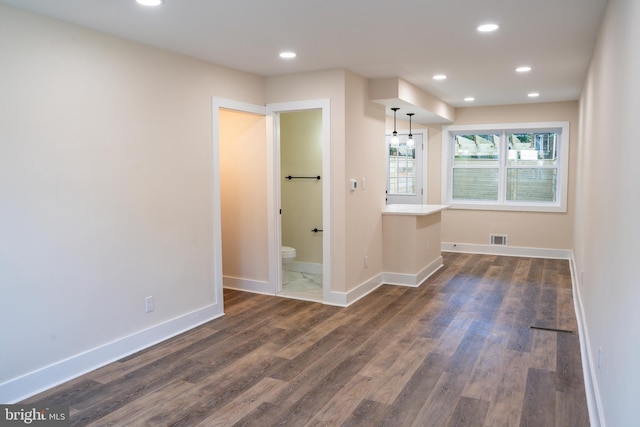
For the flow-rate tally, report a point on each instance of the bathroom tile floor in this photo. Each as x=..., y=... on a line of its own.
x=304, y=286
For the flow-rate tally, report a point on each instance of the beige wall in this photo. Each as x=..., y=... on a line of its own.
x=105, y=187
x=524, y=229
x=365, y=158
x=411, y=243
x=301, y=199
x=607, y=230
x=243, y=199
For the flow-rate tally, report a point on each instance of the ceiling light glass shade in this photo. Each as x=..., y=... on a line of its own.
x=533, y=95
x=487, y=28
x=287, y=55
x=469, y=99
x=410, y=141
x=150, y=2
x=439, y=77
x=394, y=139
x=523, y=69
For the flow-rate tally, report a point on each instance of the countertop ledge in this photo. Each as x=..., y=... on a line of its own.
x=414, y=210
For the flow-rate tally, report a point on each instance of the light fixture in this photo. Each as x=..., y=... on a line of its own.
x=487, y=28
x=394, y=138
x=410, y=142
x=533, y=95
x=439, y=77
x=523, y=69
x=150, y=2
x=469, y=99
x=287, y=55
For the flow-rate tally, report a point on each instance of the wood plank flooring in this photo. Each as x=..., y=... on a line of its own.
x=459, y=350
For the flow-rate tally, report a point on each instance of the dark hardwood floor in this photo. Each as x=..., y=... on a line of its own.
x=470, y=347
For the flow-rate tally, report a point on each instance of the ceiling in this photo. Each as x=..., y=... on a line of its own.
x=409, y=39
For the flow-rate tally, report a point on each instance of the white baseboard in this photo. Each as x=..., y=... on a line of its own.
x=413, y=280
x=248, y=285
x=506, y=250
x=345, y=299
x=594, y=401
x=32, y=383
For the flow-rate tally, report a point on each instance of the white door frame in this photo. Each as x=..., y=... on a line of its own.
x=216, y=105
x=274, y=191
x=424, y=162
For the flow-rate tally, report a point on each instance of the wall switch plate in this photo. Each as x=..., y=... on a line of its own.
x=148, y=304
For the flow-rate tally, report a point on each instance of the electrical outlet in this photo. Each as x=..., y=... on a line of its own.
x=148, y=304
x=366, y=262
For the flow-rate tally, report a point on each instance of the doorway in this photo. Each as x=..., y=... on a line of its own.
x=300, y=205
x=269, y=217
x=300, y=144
x=406, y=178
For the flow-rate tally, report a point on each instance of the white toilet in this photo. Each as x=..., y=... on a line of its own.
x=288, y=254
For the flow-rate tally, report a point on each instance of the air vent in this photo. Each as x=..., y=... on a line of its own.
x=499, y=239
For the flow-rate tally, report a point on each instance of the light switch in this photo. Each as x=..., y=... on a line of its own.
x=353, y=184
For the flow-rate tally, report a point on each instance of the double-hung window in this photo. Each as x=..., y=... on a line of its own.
x=517, y=166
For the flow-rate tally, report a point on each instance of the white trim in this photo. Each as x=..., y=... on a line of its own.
x=502, y=205
x=413, y=280
x=592, y=390
x=248, y=285
x=273, y=188
x=506, y=250
x=32, y=383
x=423, y=167
x=345, y=299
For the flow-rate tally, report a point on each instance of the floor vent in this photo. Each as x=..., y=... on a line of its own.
x=499, y=239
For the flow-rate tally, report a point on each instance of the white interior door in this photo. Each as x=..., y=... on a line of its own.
x=405, y=165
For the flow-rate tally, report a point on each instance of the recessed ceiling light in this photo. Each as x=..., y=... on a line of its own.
x=533, y=95
x=439, y=77
x=287, y=55
x=150, y=2
x=487, y=28
x=523, y=69
x=469, y=99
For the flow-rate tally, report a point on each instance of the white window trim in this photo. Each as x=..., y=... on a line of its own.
x=425, y=161
x=560, y=205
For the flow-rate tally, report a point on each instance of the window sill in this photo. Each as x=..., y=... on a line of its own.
x=511, y=208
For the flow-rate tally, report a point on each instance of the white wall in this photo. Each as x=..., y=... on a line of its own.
x=105, y=195
x=607, y=229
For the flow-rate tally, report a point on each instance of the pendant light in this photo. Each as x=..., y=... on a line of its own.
x=394, y=138
x=410, y=142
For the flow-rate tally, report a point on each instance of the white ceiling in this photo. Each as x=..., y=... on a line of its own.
x=410, y=39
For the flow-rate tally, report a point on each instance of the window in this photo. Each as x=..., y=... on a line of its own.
x=506, y=167
x=404, y=169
